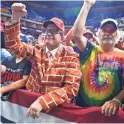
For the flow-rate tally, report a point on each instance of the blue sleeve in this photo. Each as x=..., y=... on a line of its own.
x=4, y=54
x=7, y=60
x=26, y=39
x=85, y=55
x=86, y=51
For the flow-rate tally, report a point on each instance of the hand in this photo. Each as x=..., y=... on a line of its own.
x=18, y=11
x=110, y=108
x=34, y=110
x=3, y=69
x=1, y=91
x=40, y=40
x=90, y=2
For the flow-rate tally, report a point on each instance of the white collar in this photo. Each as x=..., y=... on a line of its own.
x=53, y=52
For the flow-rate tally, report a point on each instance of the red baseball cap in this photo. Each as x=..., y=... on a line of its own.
x=87, y=32
x=58, y=22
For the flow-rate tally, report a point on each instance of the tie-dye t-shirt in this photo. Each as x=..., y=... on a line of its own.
x=101, y=75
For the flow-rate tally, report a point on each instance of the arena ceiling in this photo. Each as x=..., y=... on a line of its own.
x=70, y=4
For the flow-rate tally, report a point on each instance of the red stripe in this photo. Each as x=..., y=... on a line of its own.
x=23, y=97
x=68, y=112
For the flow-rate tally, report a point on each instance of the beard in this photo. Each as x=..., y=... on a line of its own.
x=107, y=40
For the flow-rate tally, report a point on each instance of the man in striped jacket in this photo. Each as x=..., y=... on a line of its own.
x=55, y=70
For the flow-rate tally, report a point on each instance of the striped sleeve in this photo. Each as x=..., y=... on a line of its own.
x=13, y=41
x=67, y=92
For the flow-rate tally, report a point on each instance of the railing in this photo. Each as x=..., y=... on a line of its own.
x=15, y=110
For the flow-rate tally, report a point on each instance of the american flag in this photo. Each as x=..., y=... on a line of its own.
x=15, y=110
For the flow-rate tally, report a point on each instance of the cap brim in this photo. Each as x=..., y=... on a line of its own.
x=46, y=23
x=109, y=22
x=88, y=33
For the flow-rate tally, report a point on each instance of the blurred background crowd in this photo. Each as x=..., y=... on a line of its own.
x=38, y=11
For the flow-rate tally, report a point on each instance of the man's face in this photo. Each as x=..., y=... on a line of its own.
x=88, y=35
x=120, y=45
x=107, y=34
x=53, y=37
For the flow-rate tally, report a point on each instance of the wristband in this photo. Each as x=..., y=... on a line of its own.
x=117, y=100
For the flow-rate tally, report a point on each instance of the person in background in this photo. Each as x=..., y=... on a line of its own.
x=24, y=38
x=120, y=43
x=31, y=39
x=4, y=53
x=3, y=69
x=90, y=36
x=40, y=40
x=86, y=33
x=15, y=72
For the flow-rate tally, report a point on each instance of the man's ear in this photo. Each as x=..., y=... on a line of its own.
x=62, y=35
x=63, y=40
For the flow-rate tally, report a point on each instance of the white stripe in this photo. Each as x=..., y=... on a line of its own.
x=54, y=75
x=17, y=114
x=51, y=82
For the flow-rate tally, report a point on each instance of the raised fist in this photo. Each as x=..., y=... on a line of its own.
x=91, y=2
x=18, y=11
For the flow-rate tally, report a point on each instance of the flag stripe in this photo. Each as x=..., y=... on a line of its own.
x=17, y=114
x=23, y=97
x=16, y=108
x=4, y=120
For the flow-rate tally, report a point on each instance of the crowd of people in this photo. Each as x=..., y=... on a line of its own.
x=79, y=67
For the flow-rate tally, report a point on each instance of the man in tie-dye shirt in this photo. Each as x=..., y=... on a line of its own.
x=102, y=66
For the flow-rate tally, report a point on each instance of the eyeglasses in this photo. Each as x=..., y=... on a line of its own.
x=52, y=31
